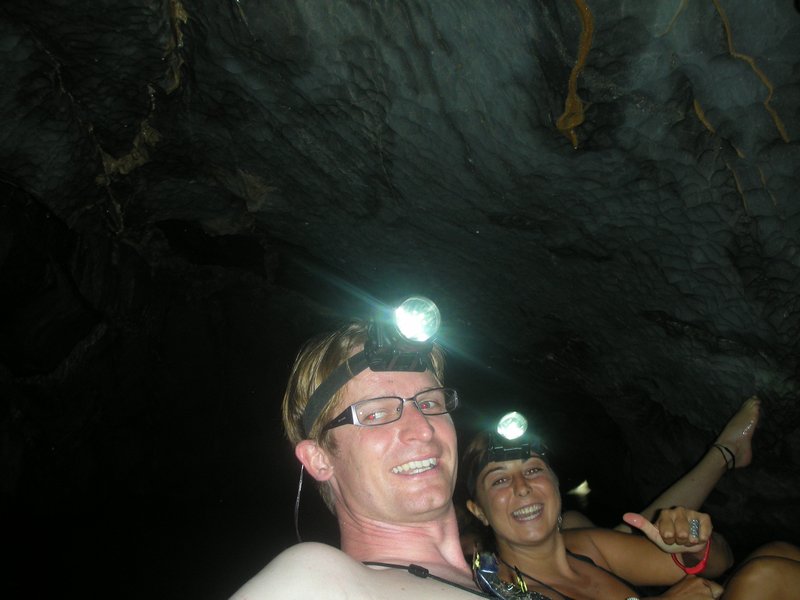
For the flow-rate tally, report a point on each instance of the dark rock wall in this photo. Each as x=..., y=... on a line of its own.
x=600, y=195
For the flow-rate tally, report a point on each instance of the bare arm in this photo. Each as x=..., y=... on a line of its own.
x=631, y=557
x=649, y=562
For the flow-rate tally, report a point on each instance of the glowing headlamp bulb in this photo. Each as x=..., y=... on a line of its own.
x=417, y=319
x=512, y=425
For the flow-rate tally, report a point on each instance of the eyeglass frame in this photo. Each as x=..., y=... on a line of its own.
x=348, y=415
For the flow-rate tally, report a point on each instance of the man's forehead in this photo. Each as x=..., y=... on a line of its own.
x=370, y=384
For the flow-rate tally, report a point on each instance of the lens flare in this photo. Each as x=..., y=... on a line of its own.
x=417, y=318
x=512, y=425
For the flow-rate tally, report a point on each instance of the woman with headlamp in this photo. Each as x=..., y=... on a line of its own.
x=514, y=490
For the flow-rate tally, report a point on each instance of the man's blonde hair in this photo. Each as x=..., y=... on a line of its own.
x=315, y=362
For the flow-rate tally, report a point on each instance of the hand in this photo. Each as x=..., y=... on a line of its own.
x=672, y=531
x=694, y=588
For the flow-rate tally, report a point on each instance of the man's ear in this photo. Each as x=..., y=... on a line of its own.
x=314, y=459
x=477, y=511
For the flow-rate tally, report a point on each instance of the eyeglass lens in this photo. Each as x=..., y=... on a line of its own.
x=378, y=411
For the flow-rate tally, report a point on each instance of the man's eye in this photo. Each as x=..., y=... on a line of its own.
x=428, y=405
x=534, y=470
x=378, y=415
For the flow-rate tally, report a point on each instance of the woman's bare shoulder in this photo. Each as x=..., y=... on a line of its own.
x=605, y=546
x=592, y=543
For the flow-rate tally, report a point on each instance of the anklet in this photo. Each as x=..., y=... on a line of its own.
x=725, y=451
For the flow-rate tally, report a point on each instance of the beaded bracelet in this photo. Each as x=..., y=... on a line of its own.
x=699, y=567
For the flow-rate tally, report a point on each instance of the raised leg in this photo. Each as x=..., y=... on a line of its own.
x=692, y=489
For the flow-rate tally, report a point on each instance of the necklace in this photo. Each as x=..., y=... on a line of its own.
x=423, y=573
x=484, y=568
x=550, y=587
x=523, y=573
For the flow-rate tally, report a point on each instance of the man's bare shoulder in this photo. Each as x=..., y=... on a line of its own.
x=310, y=570
x=298, y=570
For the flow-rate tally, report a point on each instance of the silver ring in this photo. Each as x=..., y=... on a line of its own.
x=694, y=528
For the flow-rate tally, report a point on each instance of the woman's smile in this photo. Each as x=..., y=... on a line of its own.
x=528, y=513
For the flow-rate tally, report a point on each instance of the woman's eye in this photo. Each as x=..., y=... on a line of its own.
x=499, y=481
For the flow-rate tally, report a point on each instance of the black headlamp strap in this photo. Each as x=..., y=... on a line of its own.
x=499, y=453
x=340, y=375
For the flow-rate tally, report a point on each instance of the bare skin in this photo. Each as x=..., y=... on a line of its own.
x=693, y=488
x=738, y=432
x=766, y=574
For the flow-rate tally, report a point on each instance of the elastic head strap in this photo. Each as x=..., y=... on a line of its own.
x=340, y=375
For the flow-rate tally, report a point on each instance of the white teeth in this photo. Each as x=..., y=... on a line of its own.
x=415, y=466
x=528, y=512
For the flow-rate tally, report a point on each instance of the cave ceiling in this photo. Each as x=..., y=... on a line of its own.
x=601, y=196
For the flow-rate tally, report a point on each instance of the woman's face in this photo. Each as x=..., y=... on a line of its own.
x=519, y=500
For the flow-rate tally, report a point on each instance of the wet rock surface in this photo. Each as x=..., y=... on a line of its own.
x=602, y=201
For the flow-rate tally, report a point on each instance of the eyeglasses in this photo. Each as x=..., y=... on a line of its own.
x=387, y=409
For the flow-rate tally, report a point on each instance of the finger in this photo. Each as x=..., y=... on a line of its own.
x=716, y=589
x=667, y=521
x=706, y=527
x=634, y=519
x=699, y=528
x=646, y=527
x=680, y=527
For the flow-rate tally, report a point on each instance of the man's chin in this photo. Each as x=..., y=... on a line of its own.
x=428, y=508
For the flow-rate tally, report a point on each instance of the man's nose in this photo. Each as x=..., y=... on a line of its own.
x=414, y=422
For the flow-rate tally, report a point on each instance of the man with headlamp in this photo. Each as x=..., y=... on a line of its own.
x=367, y=413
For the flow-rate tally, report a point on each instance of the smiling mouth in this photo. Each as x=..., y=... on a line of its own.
x=527, y=513
x=415, y=466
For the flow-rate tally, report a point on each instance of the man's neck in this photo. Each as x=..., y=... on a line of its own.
x=432, y=544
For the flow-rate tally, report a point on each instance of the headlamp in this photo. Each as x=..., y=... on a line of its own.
x=513, y=426
x=402, y=339
x=397, y=340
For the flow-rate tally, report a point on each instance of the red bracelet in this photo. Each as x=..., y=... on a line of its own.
x=699, y=567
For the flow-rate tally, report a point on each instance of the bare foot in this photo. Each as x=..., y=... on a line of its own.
x=738, y=433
